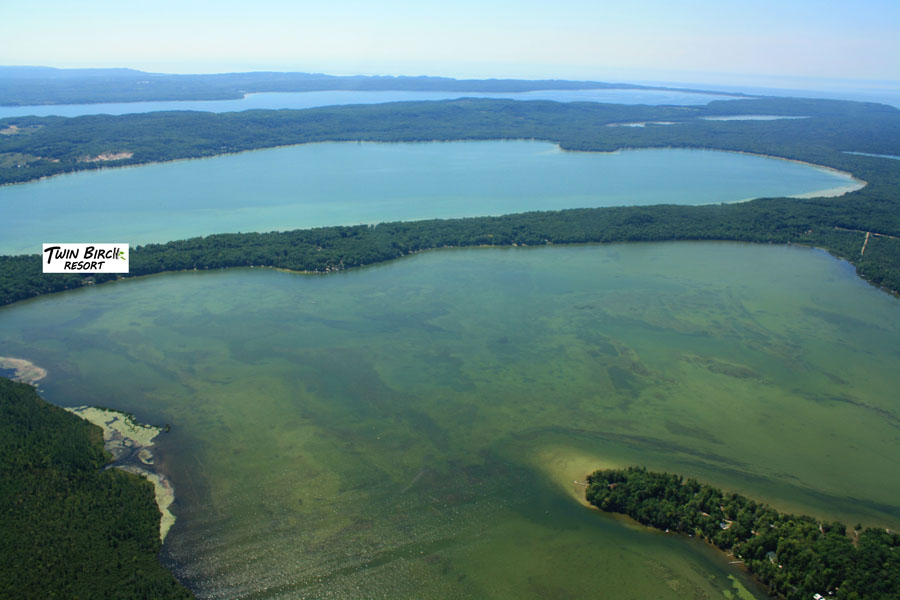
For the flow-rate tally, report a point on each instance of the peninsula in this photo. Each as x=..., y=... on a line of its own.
x=72, y=528
x=796, y=557
x=46, y=85
x=862, y=227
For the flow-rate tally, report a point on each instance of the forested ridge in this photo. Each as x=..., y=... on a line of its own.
x=46, y=85
x=70, y=528
x=34, y=147
x=326, y=249
x=832, y=128
x=794, y=556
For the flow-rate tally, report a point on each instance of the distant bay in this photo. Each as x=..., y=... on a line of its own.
x=280, y=100
x=316, y=185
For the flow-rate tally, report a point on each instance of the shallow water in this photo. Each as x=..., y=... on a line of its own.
x=281, y=100
x=413, y=429
x=349, y=183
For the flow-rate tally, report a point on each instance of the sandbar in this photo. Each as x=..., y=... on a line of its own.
x=26, y=371
x=833, y=192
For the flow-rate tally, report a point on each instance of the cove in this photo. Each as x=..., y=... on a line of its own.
x=299, y=100
x=414, y=429
x=351, y=183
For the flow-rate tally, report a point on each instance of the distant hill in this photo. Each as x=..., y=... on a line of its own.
x=70, y=528
x=23, y=86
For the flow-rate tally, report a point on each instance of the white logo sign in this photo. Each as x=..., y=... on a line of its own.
x=85, y=258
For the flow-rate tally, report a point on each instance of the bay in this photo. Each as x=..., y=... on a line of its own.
x=414, y=429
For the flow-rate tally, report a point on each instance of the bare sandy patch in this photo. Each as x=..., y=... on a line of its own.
x=833, y=192
x=569, y=468
x=26, y=371
x=165, y=496
x=107, y=156
x=131, y=444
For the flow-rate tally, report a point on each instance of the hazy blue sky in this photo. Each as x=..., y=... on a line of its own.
x=523, y=38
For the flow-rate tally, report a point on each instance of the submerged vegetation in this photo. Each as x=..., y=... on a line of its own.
x=795, y=556
x=70, y=528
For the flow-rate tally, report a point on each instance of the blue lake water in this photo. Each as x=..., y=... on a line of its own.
x=330, y=98
x=351, y=183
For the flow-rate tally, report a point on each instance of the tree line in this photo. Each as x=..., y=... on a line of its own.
x=830, y=130
x=70, y=528
x=794, y=556
x=327, y=249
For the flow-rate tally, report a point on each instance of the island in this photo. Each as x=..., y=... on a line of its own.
x=796, y=557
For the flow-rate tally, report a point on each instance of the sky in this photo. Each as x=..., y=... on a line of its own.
x=699, y=40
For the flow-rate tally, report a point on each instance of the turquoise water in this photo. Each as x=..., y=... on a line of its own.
x=349, y=183
x=330, y=98
x=414, y=429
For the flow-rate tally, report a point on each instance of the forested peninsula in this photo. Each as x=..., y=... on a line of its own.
x=829, y=131
x=22, y=86
x=796, y=557
x=70, y=528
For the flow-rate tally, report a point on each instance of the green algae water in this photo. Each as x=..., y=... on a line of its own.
x=419, y=429
x=316, y=185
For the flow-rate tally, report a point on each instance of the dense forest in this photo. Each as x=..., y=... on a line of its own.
x=35, y=147
x=831, y=130
x=795, y=556
x=22, y=86
x=328, y=249
x=70, y=528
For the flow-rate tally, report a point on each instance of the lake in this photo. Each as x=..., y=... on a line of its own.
x=279, y=100
x=414, y=429
x=351, y=183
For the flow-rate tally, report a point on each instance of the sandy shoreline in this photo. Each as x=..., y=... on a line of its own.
x=833, y=192
x=131, y=445
x=129, y=442
x=25, y=370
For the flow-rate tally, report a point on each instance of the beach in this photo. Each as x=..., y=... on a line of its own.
x=131, y=445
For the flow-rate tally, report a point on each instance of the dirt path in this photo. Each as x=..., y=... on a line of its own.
x=893, y=237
